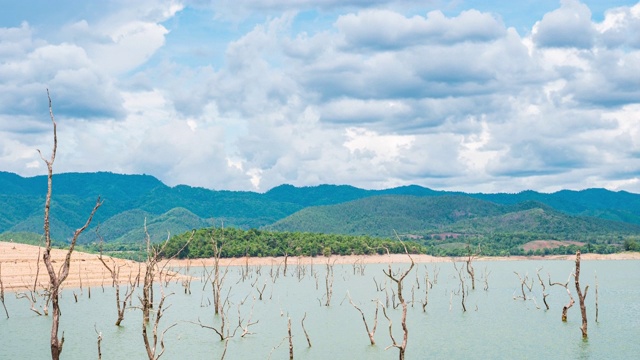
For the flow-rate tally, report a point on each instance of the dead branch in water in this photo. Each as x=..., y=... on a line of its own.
x=371, y=333
x=544, y=289
x=2, y=293
x=571, y=301
x=398, y=279
x=581, y=296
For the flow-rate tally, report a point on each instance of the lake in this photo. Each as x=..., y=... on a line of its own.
x=495, y=325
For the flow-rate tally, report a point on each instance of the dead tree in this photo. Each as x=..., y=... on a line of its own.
x=398, y=279
x=470, y=269
x=462, y=286
x=306, y=335
x=56, y=278
x=329, y=281
x=290, y=338
x=186, y=282
x=428, y=285
x=33, y=292
x=523, y=283
x=99, y=341
x=153, y=256
x=151, y=345
x=596, y=275
x=2, y=293
x=571, y=301
x=217, y=279
x=115, y=280
x=245, y=329
x=485, y=278
x=544, y=289
x=581, y=296
x=371, y=333
x=223, y=332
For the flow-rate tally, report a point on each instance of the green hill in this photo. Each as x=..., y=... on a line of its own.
x=381, y=215
x=335, y=209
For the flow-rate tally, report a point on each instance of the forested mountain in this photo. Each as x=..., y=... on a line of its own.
x=338, y=209
x=381, y=215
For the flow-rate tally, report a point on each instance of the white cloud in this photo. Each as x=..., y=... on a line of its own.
x=569, y=26
x=369, y=94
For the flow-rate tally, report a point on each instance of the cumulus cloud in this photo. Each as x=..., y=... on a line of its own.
x=365, y=93
x=569, y=26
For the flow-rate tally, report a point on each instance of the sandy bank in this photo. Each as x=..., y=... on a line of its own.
x=19, y=264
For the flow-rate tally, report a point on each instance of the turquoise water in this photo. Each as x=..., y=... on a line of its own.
x=495, y=325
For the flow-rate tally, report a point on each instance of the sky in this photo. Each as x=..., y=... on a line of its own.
x=475, y=96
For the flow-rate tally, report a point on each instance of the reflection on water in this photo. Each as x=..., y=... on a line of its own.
x=495, y=326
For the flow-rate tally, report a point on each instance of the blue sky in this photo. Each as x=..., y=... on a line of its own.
x=479, y=96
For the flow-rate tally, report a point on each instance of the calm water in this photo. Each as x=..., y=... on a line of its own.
x=495, y=325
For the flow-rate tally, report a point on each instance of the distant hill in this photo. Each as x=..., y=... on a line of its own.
x=130, y=199
x=381, y=215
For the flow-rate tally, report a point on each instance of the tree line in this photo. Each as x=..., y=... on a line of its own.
x=259, y=243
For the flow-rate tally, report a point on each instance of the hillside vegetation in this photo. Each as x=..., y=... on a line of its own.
x=444, y=222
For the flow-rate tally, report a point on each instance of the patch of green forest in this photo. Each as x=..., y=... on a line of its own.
x=239, y=243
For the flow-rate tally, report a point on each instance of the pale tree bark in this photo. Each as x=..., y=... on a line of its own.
x=371, y=333
x=223, y=331
x=328, y=281
x=306, y=335
x=290, y=339
x=155, y=345
x=2, y=293
x=544, y=289
x=523, y=283
x=398, y=279
x=470, y=269
x=462, y=287
x=57, y=278
x=99, y=342
x=565, y=308
x=596, y=297
x=245, y=328
x=218, y=280
x=581, y=296
x=121, y=306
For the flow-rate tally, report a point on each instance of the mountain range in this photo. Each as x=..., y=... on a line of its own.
x=132, y=200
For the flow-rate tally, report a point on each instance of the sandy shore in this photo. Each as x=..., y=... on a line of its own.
x=19, y=264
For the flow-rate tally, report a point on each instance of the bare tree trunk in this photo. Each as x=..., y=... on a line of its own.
x=571, y=301
x=2, y=293
x=305, y=330
x=99, y=342
x=57, y=278
x=217, y=280
x=371, y=333
x=398, y=280
x=115, y=279
x=523, y=284
x=581, y=296
x=329, y=281
x=544, y=289
x=470, y=269
x=151, y=345
x=462, y=286
x=290, y=339
x=596, y=297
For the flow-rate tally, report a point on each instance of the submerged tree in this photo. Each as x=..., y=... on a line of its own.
x=2, y=292
x=57, y=278
x=581, y=296
x=398, y=279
